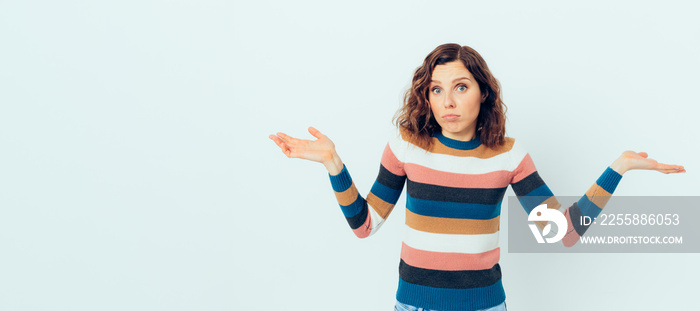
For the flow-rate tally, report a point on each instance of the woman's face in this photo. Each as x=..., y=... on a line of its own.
x=455, y=99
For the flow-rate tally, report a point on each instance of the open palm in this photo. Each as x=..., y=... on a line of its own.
x=319, y=150
x=640, y=161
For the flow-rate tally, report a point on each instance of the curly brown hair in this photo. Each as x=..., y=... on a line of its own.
x=415, y=119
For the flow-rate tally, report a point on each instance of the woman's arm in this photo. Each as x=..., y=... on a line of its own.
x=532, y=190
x=592, y=203
x=364, y=216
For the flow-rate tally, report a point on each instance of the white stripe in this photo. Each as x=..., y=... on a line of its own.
x=518, y=152
x=377, y=220
x=460, y=165
x=398, y=146
x=408, y=153
x=450, y=243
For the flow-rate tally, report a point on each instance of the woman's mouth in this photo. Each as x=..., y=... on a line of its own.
x=450, y=117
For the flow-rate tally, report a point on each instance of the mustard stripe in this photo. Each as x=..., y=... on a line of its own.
x=452, y=225
x=598, y=196
x=382, y=207
x=348, y=196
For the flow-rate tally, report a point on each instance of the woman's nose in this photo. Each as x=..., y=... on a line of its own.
x=449, y=102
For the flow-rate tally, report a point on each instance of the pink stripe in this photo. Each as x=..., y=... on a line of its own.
x=422, y=174
x=524, y=169
x=391, y=163
x=571, y=236
x=449, y=261
x=364, y=230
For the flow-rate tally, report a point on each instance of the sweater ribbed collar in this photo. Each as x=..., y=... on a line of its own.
x=458, y=144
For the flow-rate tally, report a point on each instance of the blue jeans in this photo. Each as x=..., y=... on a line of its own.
x=404, y=307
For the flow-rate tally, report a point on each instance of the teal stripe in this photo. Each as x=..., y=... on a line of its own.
x=450, y=298
x=458, y=144
x=342, y=181
x=609, y=180
x=452, y=209
x=354, y=208
x=385, y=193
x=588, y=208
x=535, y=197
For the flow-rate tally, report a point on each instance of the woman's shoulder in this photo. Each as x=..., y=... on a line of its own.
x=398, y=141
x=515, y=148
x=508, y=145
x=404, y=138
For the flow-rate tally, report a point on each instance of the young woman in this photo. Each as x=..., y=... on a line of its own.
x=456, y=163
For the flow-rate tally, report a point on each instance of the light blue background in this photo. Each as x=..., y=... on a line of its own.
x=136, y=172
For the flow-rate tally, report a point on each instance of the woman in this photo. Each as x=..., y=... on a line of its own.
x=456, y=163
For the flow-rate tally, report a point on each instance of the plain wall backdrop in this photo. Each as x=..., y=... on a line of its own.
x=136, y=172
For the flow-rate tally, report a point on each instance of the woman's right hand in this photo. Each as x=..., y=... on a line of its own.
x=321, y=150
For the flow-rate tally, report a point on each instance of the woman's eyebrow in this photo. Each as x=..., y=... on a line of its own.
x=453, y=81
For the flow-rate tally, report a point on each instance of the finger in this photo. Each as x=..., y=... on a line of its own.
x=285, y=148
x=287, y=137
x=316, y=133
x=668, y=166
x=643, y=154
x=277, y=138
x=671, y=171
x=279, y=141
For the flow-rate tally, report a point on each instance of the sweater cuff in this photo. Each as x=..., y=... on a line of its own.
x=342, y=181
x=609, y=180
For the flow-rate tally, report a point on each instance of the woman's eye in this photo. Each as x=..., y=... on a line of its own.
x=436, y=91
x=462, y=88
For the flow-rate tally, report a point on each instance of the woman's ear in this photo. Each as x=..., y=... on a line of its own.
x=484, y=96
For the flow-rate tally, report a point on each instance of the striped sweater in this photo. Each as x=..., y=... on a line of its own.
x=450, y=253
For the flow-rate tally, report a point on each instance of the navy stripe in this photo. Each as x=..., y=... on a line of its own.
x=452, y=210
x=460, y=279
x=452, y=194
x=541, y=191
x=527, y=184
x=588, y=208
x=390, y=179
x=576, y=216
x=359, y=219
x=535, y=198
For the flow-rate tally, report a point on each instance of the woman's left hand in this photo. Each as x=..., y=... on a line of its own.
x=630, y=160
